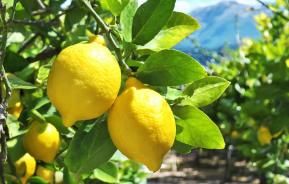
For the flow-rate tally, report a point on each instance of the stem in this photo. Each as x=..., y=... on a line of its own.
x=110, y=36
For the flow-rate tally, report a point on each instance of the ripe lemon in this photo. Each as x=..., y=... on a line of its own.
x=141, y=124
x=46, y=174
x=25, y=167
x=264, y=135
x=97, y=38
x=42, y=141
x=14, y=104
x=84, y=82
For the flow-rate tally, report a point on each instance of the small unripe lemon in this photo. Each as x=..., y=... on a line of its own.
x=42, y=141
x=141, y=124
x=15, y=106
x=46, y=174
x=84, y=82
x=25, y=167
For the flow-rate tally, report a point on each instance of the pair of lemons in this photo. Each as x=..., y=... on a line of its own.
x=41, y=142
x=84, y=83
x=26, y=166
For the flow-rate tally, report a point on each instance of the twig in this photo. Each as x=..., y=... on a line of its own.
x=27, y=43
x=45, y=54
x=110, y=35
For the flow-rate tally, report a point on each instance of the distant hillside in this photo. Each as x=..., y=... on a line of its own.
x=220, y=25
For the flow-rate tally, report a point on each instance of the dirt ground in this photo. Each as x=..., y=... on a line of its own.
x=204, y=167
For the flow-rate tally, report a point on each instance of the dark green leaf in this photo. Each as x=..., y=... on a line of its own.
x=150, y=18
x=74, y=16
x=182, y=148
x=14, y=62
x=107, y=173
x=179, y=27
x=170, y=68
x=17, y=83
x=36, y=180
x=90, y=147
x=196, y=129
x=69, y=177
x=57, y=122
x=15, y=148
x=126, y=19
x=205, y=91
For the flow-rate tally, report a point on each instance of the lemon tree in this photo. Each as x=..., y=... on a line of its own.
x=253, y=113
x=98, y=92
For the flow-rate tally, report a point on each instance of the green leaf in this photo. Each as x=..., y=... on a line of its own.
x=57, y=122
x=172, y=94
x=14, y=62
x=74, y=16
x=90, y=147
x=126, y=19
x=150, y=18
x=37, y=180
x=170, y=68
x=179, y=27
x=196, y=129
x=69, y=177
x=205, y=91
x=17, y=83
x=14, y=127
x=114, y=6
x=15, y=148
x=107, y=173
x=182, y=148
x=42, y=74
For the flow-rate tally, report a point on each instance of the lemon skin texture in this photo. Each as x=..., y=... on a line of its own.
x=46, y=174
x=42, y=141
x=25, y=167
x=142, y=125
x=84, y=82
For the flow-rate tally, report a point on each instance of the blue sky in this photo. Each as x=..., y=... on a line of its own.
x=188, y=5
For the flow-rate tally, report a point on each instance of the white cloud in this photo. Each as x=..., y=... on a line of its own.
x=188, y=5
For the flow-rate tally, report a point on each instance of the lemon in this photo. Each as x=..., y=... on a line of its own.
x=46, y=174
x=14, y=104
x=264, y=135
x=98, y=39
x=84, y=82
x=42, y=141
x=25, y=167
x=141, y=124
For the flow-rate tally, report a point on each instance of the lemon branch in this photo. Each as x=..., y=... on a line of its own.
x=110, y=34
x=6, y=87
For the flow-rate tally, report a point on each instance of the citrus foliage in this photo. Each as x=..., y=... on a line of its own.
x=66, y=80
x=254, y=110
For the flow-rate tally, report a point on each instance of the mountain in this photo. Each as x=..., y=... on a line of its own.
x=220, y=26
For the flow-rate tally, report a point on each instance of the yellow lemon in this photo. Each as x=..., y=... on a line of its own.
x=98, y=39
x=84, y=82
x=46, y=174
x=42, y=141
x=25, y=167
x=264, y=135
x=142, y=125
